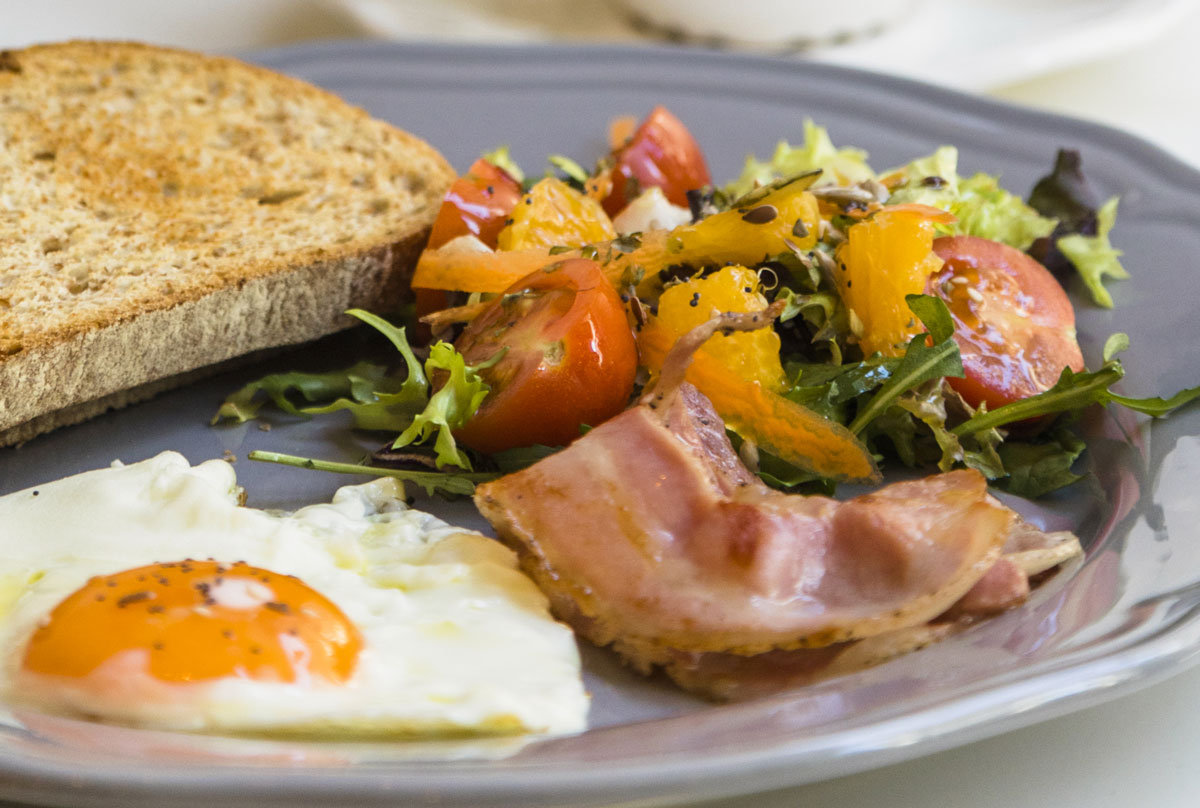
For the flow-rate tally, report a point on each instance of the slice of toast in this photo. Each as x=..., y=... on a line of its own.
x=163, y=211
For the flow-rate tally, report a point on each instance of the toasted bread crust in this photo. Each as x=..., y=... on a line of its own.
x=162, y=210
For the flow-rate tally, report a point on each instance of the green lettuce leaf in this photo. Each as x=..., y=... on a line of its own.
x=356, y=385
x=896, y=426
x=984, y=457
x=576, y=174
x=1074, y=391
x=827, y=388
x=979, y=448
x=379, y=400
x=1035, y=469
x=510, y=460
x=1156, y=406
x=1094, y=257
x=500, y=158
x=927, y=405
x=415, y=380
x=843, y=166
x=449, y=408
x=782, y=475
x=985, y=209
x=982, y=207
x=921, y=362
x=816, y=308
x=393, y=403
x=930, y=180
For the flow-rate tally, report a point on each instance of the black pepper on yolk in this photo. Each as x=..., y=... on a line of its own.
x=198, y=620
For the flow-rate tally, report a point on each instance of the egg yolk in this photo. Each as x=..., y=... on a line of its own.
x=195, y=621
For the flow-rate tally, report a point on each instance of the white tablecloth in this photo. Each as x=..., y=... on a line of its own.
x=1137, y=751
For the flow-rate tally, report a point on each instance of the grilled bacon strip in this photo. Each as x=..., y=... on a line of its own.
x=650, y=535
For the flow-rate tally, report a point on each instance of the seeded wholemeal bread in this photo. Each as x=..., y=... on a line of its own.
x=162, y=211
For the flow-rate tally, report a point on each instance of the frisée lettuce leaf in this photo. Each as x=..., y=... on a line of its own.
x=930, y=180
x=449, y=408
x=840, y=165
x=1094, y=257
x=985, y=209
x=982, y=207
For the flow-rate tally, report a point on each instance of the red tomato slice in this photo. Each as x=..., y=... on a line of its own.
x=477, y=204
x=570, y=358
x=1013, y=323
x=662, y=153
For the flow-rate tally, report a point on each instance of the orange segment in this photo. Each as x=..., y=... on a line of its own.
x=751, y=355
x=553, y=214
x=747, y=235
x=495, y=272
x=786, y=218
x=620, y=131
x=198, y=620
x=778, y=425
x=885, y=258
x=478, y=272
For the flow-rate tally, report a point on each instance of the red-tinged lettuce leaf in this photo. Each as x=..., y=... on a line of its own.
x=1066, y=195
x=1080, y=242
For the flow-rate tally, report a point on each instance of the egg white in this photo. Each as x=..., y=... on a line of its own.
x=456, y=639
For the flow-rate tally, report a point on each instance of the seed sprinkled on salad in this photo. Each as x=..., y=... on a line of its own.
x=760, y=215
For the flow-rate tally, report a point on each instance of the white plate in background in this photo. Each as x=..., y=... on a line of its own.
x=972, y=45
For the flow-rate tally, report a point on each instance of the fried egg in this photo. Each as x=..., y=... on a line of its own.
x=146, y=594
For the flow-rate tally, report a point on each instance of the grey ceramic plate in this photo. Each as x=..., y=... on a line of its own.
x=1125, y=617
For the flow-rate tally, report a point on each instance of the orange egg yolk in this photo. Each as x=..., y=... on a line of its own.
x=196, y=621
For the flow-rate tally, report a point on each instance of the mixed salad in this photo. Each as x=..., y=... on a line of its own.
x=911, y=316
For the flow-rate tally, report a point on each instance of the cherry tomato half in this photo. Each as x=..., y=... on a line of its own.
x=662, y=153
x=477, y=204
x=1014, y=325
x=570, y=358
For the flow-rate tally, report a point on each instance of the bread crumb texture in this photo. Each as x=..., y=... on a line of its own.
x=136, y=180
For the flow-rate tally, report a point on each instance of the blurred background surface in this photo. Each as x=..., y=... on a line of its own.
x=1126, y=63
